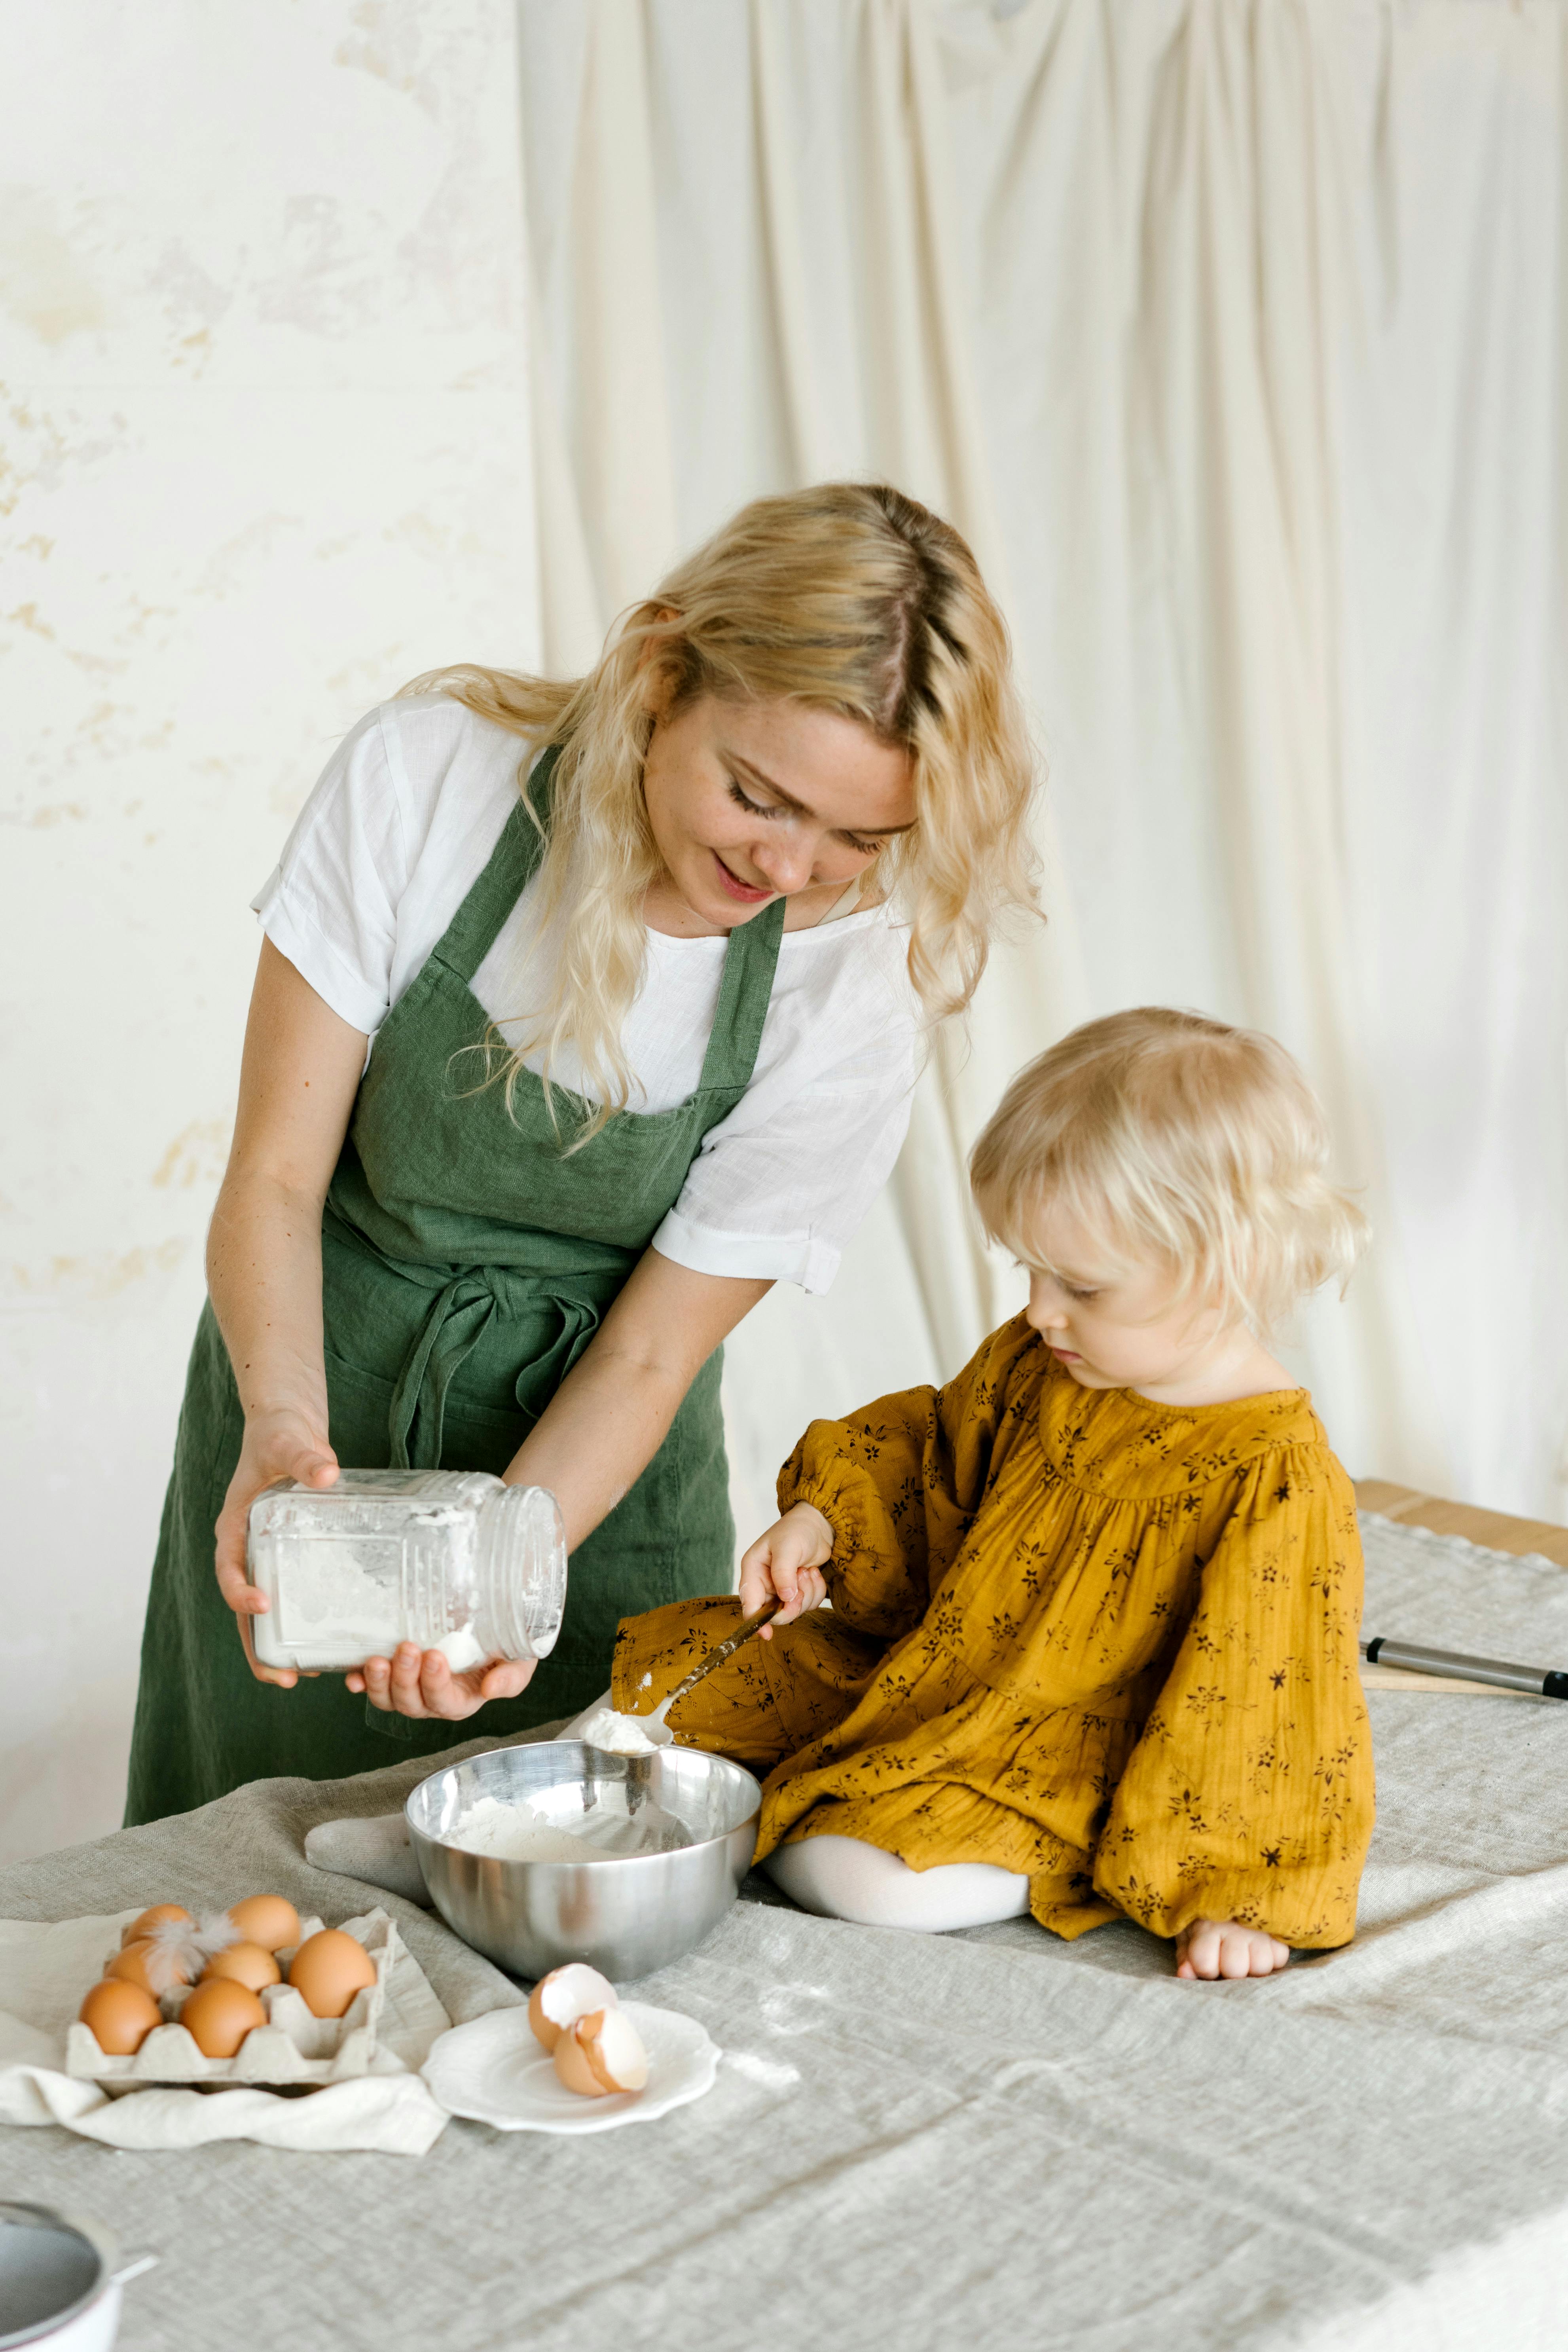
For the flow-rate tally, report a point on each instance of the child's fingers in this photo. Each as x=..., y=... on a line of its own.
x=756, y=1580
x=808, y=1589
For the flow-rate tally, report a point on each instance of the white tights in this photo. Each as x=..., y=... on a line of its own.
x=845, y=1878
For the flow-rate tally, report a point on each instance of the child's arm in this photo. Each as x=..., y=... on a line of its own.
x=875, y=1506
x=1247, y=1803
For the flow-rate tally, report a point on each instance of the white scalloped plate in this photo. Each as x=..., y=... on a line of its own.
x=493, y=2071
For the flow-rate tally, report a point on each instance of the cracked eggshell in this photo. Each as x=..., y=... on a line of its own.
x=602, y=2054
x=559, y=2000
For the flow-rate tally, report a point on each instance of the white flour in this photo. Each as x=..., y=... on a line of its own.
x=518, y=1834
x=618, y=1735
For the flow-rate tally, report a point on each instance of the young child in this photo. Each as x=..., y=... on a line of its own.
x=1092, y=1643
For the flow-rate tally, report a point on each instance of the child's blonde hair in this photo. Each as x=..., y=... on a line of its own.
x=1170, y=1136
x=849, y=597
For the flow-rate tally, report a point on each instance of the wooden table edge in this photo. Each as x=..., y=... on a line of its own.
x=1495, y=1530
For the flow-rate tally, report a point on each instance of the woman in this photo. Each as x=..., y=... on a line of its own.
x=555, y=1065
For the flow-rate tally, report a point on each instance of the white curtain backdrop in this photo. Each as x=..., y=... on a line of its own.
x=1232, y=332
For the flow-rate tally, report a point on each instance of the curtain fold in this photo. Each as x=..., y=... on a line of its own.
x=1231, y=333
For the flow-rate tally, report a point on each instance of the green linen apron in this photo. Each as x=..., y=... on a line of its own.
x=466, y=1263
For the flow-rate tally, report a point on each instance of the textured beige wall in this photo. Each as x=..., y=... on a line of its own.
x=265, y=455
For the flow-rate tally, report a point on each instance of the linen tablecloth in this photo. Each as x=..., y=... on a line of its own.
x=981, y=2140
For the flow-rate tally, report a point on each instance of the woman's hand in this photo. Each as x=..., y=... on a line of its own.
x=277, y=1445
x=420, y=1683
x=1218, y=1948
x=788, y=1561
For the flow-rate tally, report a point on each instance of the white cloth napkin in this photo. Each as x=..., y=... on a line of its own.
x=45, y=1970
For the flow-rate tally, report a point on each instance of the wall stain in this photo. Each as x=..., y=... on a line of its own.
x=197, y=1156
x=90, y=1279
x=52, y=813
x=27, y=617
x=43, y=284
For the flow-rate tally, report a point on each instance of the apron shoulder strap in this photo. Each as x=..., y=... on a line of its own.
x=507, y=872
x=747, y=984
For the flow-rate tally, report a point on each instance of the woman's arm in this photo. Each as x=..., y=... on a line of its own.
x=297, y=1084
x=593, y=1441
x=609, y=1416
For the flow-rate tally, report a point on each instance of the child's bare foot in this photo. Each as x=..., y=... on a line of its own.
x=1218, y=1948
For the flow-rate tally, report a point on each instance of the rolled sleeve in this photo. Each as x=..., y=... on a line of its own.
x=293, y=932
x=802, y=1257
x=780, y=1187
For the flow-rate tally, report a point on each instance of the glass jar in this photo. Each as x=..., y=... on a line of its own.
x=452, y=1559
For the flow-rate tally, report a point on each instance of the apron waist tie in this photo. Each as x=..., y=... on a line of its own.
x=458, y=1318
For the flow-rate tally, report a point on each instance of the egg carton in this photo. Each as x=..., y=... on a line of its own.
x=294, y=2046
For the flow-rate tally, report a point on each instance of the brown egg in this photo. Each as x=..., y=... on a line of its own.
x=567, y=1993
x=245, y=1964
x=218, y=2015
x=267, y=1919
x=152, y=1968
x=329, y=1969
x=153, y=1918
x=121, y=2015
x=603, y=2053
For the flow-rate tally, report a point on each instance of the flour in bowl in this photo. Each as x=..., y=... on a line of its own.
x=520, y=1834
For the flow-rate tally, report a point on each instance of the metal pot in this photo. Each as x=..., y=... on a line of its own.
x=59, y=2280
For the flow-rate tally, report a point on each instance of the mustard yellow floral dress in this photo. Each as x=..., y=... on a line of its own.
x=1106, y=1642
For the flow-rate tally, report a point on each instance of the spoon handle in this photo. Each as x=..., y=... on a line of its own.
x=722, y=1650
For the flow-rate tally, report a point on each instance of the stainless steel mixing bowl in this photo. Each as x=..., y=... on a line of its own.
x=625, y=1914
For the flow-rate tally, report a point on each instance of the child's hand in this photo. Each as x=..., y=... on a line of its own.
x=787, y=1561
x=1218, y=1948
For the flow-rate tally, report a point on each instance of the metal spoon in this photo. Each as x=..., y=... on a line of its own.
x=655, y=1728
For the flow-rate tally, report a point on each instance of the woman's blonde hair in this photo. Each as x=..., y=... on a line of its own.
x=1167, y=1136
x=850, y=597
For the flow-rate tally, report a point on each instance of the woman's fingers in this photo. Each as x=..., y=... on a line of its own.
x=228, y=1559
x=266, y=1454
x=392, y=1684
x=282, y=1676
x=506, y=1678
x=422, y=1684
x=407, y=1673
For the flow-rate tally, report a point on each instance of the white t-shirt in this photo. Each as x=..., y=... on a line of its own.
x=383, y=854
